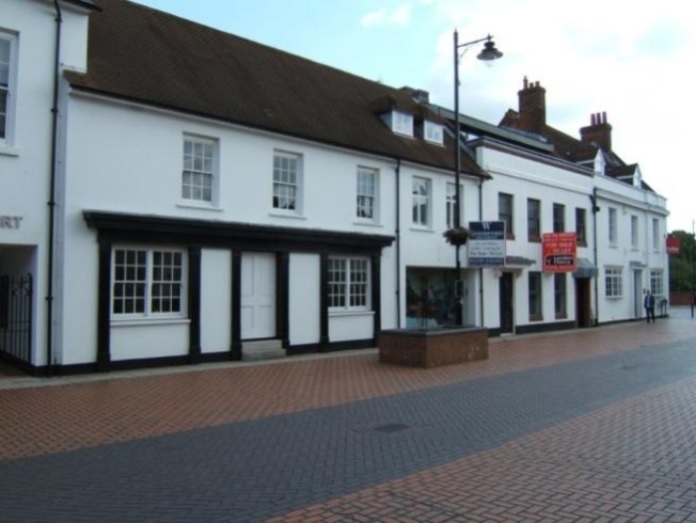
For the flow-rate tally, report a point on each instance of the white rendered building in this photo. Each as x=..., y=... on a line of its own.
x=211, y=198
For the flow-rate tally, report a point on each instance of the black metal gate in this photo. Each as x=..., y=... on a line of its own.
x=16, y=294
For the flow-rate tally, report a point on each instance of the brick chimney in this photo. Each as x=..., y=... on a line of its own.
x=598, y=133
x=532, y=107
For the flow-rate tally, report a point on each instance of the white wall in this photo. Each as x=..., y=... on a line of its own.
x=629, y=201
x=25, y=155
x=154, y=340
x=134, y=164
x=350, y=326
x=304, y=299
x=550, y=183
x=216, y=300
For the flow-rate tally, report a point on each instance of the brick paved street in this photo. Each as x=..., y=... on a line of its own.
x=595, y=425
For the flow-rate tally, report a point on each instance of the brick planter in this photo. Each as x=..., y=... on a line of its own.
x=433, y=348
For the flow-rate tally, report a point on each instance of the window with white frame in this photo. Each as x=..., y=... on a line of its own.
x=581, y=226
x=148, y=283
x=613, y=282
x=613, y=232
x=634, y=231
x=402, y=123
x=349, y=283
x=560, y=294
x=533, y=220
x=558, y=217
x=505, y=213
x=198, y=172
x=656, y=234
x=287, y=179
x=657, y=282
x=8, y=43
x=433, y=132
x=452, y=204
x=535, y=296
x=421, y=201
x=366, y=205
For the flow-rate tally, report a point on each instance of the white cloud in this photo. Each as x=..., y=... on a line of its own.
x=400, y=15
x=620, y=57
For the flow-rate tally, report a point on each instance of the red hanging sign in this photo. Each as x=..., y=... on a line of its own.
x=559, y=251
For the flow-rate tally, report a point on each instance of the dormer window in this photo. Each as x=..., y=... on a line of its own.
x=599, y=163
x=402, y=123
x=433, y=133
x=637, y=178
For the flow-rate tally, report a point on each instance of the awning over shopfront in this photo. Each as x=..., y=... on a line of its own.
x=585, y=269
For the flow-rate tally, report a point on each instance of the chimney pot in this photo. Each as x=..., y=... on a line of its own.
x=532, y=107
x=598, y=133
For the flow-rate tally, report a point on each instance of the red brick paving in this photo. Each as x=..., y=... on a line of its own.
x=39, y=420
x=632, y=461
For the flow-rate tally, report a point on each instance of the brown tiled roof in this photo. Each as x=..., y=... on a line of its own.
x=577, y=151
x=142, y=54
x=566, y=146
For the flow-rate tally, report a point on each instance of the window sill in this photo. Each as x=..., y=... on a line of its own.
x=421, y=228
x=288, y=214
x=343, y=312
x=8, y=150
x=199, y=206
x=142, y=322
x=367, y=223
x=614, y=298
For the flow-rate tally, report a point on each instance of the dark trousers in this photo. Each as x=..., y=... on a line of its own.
x=649, y=313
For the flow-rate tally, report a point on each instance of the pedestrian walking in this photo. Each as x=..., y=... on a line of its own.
x=649, y=304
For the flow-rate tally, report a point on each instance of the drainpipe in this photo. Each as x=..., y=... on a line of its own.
x=481, y=294
x=595, y=210
x=397, y=233
x=52, y=192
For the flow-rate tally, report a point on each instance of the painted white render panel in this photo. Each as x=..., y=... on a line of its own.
x=304, y=299
x=122, y=174
x=216, y=300
x=79, y=301
x=352, y=326
x=151, y=340
x=426, y=246
x=524, y=179
x=25, y=154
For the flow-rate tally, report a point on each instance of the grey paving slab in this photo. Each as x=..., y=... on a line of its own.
x=249, y=471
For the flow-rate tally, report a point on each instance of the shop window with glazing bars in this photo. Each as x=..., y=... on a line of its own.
x=349, y=283
x=148, y=283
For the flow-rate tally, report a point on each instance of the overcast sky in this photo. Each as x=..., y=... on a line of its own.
x=632, y=60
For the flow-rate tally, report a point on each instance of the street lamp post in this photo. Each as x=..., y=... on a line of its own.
x=488, y=53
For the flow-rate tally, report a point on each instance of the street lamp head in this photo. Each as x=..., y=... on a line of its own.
x=490, y=52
